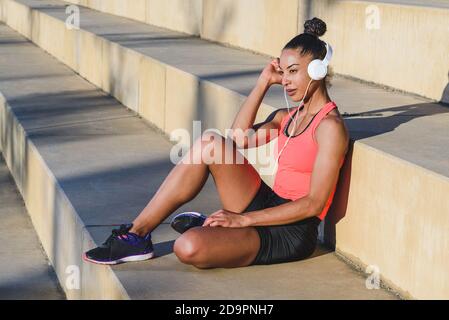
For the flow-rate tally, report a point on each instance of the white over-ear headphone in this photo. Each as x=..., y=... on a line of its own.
x=317, y=70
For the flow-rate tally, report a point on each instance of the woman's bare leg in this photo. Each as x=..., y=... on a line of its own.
x=236, y=183
x=218, y=247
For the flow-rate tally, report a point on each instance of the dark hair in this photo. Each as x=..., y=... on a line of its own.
x=309, y=41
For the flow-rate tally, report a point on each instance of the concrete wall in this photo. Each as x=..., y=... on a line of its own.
x=393, y=215
x=401, y=46
x=260, y=25
x=180, y=15
x=409, y=50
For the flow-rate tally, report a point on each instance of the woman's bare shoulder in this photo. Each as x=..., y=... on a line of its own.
x=334, y=125
x=335, y=117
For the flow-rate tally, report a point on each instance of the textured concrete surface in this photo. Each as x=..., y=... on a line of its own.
x=375, y=116
x=24, y=269
x=322, y=276
x=108, y=163
x=365, y=34
x=421, y=3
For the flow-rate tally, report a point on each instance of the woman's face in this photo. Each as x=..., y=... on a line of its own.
x=293, y=69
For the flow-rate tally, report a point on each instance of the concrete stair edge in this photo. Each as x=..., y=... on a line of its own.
x=60, y=237
x=333, y=13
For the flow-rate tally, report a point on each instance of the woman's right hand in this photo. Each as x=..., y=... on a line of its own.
x=271, y=73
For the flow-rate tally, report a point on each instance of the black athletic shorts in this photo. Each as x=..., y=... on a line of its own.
x=282, y=243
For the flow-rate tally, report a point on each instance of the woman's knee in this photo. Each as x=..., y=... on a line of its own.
x=189, y=247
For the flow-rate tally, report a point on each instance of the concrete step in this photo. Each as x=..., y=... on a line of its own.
x=25, y=272
x=84, y=163
x=395, y=36
x=397, y=162
x=419, y=3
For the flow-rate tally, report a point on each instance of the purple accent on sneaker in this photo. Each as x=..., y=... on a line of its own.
x=134, y=239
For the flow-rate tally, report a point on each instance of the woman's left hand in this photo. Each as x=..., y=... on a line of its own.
x=227, y=219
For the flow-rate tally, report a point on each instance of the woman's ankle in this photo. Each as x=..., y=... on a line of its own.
x=140, y=231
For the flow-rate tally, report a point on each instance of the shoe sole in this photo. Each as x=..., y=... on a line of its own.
x=196, y=214
x=135, y=258
x=185, y=214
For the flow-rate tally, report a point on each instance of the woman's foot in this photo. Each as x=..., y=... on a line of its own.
x=122, y=246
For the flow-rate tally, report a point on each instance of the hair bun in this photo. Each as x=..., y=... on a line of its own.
x=315, y=26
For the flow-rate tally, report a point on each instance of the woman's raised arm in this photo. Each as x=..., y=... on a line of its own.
x=246, y=116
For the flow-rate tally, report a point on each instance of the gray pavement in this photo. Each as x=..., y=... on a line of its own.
x=109, y=162
x=24, y=269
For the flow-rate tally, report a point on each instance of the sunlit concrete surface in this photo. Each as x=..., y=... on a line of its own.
x=382, y=41
x=25, y=272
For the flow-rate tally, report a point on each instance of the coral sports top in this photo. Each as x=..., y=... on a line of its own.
x=292, y=180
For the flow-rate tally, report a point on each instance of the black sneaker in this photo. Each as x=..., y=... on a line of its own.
x=186, y=220
x=122, y=246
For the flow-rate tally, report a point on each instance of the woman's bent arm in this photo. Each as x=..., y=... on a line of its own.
x=246, y=116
